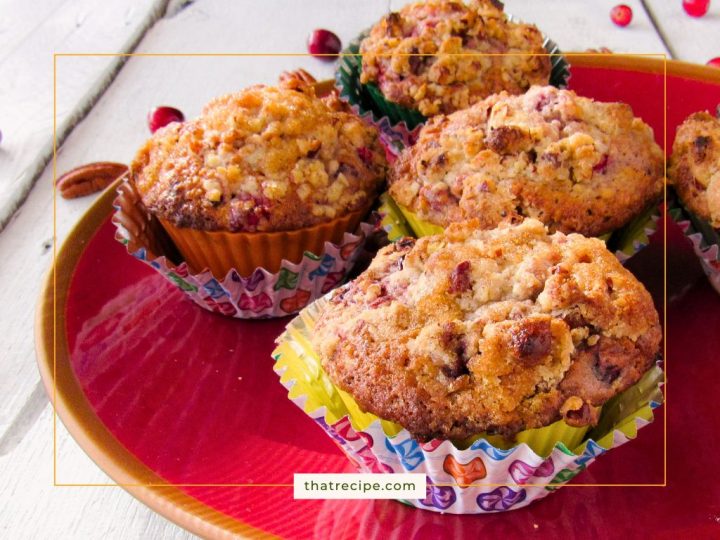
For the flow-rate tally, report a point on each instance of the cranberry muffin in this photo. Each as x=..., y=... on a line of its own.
x=576, y=164
x=695, y=166
x=263, y=159
x=488, y=331
x=429, y=56
x=262, y=176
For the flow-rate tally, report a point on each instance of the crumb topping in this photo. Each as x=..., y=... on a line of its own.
x=263, y=159
x=488, y=330
x=576, y=164
x=695, y=165
x=450, y=77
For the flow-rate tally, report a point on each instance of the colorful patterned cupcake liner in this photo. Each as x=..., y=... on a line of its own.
x=260, y=295
x=489, y=475
x=399, y=125
x=705, y=239
x=624, y=242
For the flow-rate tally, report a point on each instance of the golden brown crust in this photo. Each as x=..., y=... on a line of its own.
x=497, y=330
x=263, y=159
x=575, y=164
x=450, y=77
x=695, y=166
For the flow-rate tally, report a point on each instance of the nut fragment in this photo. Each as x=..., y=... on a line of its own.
x=296, y=80
x=90, y=178
x=579, y=413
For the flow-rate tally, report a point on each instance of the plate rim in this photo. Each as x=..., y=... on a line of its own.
x=71, y=406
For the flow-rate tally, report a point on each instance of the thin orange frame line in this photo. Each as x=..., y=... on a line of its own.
x=54, y=168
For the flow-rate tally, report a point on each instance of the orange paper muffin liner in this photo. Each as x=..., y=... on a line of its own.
x=324, y=255
x=222, y=251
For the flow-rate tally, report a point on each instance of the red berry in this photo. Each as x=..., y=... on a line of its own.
x=696, y=8
x=365, y=154
x=621, y=15
x=322, y=43
x=162, y=116
x=715, y=62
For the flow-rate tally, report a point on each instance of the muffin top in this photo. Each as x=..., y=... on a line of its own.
x=263, y=159
x=695, y=166
x=443, y=82
x=488, y=330
x=575, y=164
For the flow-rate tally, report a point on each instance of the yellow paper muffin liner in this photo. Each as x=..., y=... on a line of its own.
x=483, y=474
x=625, y=242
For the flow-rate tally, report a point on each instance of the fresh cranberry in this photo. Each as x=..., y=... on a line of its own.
x=715, y=62
x=323, y=44
x=162, y=116
x=696, y=8
x=621, y=15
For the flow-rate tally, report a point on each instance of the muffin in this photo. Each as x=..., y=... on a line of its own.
x=481, y=359
x=429, y=55
x=695, y=166
x=488, y=331
x=261, y=175
x=695, y=174
x=576, y=164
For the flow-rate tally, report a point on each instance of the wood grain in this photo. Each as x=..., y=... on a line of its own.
x=31, y=33
x=691, y=39
x=113, y=129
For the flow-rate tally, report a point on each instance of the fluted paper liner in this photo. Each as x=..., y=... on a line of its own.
x=221, y=251
x=624, y=242
x=248, y=292
x=705, y=239
x=399, y=125
x=489, y=475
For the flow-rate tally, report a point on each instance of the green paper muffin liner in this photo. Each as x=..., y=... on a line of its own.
x=705, y=239
x=482, y=475
x=624, y=242
x=399, y=125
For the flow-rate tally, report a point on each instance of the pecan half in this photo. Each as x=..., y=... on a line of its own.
x=296, y=80
x=90, y=178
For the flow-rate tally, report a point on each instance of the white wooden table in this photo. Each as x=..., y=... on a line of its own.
x=100, y=115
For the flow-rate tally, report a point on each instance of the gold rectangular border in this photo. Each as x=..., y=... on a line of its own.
x=662, y=56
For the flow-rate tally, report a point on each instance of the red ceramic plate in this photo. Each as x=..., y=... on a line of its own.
x=171, y=400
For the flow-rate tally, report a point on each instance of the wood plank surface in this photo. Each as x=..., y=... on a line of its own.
x=30, y=32
x=689, y=38
x=112, y=130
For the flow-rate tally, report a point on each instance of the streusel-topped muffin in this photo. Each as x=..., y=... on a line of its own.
x=260, y=160
x=695, y=166
x=488, y=330
x=453, y=36
x=576, y=164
